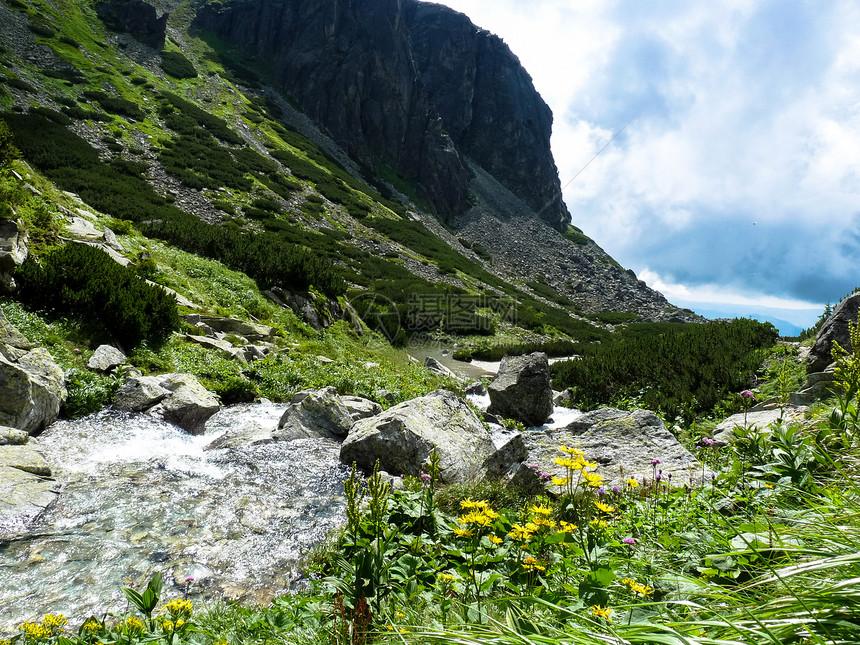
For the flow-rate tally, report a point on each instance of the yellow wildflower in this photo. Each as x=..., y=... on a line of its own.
x=572, y=451
x=491, y=513
x=167, y=625
x=540, y=509
x=92, y=626
x=567, y=527
x=521, y=533
x=635, y=587
x=54, y=622
x=133, y=625
x=178, y=607
x=467, y=503
x=632, y=483
x=605, y=508
x=495, y=539
x=599, y=524
x=560, y=481
x=601, y=612
x=400, y=614
x=592, y=479
x=531, y=563
x=461, y=532
x=446, y=577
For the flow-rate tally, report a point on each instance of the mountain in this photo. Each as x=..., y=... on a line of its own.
x=378, y=149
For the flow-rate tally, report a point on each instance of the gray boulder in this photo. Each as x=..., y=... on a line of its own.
x=475, y=388
x=138, y=394
x=834, y=328
x=179, y=399
x=360, y=408
x=759, y=419
x=522, y=389
x=25, y=485
x=403, y=437
x=315, y=413
x=622, y=443
x=188, y=404
x=13, y=251
x=105, y=358
x=437, y=368
x=32, y=386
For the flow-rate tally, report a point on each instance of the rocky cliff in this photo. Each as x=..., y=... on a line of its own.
x=413, y=85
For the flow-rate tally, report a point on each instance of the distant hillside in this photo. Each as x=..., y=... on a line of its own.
x=212, y=130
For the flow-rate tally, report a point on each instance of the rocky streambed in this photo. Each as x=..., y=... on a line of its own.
x=139, y=495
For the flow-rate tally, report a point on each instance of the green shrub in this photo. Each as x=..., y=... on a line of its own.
x=88, y=392
x=116, y=105
x=176, y=65
x=84, y=281
x=8, y=151
x=678, y=370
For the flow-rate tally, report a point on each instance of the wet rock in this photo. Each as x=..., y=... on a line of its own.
x=32, y=386
x=834, y=328
x=621, y=443
x=25, y=457
x=105, y=358
x=187, y=405
x=23, y=497
x=315, y=413
x=509, y=449
x=403, y=436
x=522, y=389
x=179, y=399
x=12, y=437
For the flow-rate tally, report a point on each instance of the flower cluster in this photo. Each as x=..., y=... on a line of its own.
x=575, y=463
x=637, y=588
x=479, y=516
x=602, y=612
x=52, y=625
x=532, y=564
x=178, y=608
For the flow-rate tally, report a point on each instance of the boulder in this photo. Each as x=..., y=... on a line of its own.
x=622, y=443
x=403, y=437
x=253, y=332
x=315, y=413
x=476, y=388
x=760, y=419
x=179, y=399
x=360, y=408
x=437, y=368
x=32, y=386
x=12, y=437
x=105, y=358
x=522, y=389
x=834, y=328
x=25, y=487
x=13, y=251
x=138, y=394
x=188, y=404
x=509, y=449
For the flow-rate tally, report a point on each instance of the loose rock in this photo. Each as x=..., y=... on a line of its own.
x=522, y=389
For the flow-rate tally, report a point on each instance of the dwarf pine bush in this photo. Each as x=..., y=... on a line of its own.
x=84, y=281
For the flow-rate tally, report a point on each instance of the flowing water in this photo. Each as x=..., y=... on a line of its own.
x=139, y=496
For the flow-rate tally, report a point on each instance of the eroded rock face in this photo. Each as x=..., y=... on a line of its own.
x=135, y=17
x=13, y=252
x=522, y=389
x=403, y=437
x=622, y=443
x=414, y=84
x=32, y=385
x=834, y=328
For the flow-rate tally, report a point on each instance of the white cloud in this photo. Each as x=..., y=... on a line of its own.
x=740, y=162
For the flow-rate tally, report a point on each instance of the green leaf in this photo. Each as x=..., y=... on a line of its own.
x=134, y=598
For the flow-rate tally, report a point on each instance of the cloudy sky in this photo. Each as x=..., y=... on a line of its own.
x=735, y=178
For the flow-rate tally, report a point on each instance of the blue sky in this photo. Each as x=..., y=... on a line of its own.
x=736, y=179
